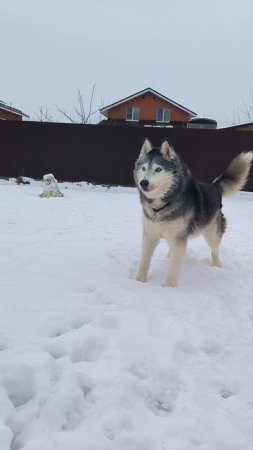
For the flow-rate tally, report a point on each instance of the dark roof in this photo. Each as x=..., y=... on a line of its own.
x=6, y=107
x=203, y=120
x=242, y=126
x=144, y=91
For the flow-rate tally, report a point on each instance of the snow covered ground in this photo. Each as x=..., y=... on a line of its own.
x=90, y=359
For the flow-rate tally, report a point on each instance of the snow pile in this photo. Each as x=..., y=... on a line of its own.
x=90, y=359
x=51, y=188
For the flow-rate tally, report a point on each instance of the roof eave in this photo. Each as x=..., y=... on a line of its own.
x=105, y=109
x=14, y=111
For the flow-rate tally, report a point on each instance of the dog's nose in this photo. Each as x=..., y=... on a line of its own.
x=144, y=183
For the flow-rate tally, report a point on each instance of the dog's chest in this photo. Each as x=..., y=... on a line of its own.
x=169, y=230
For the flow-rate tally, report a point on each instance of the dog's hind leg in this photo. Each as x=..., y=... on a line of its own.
x=177, y=254
x=149, y=243
x=213, y=234
x=213, y=240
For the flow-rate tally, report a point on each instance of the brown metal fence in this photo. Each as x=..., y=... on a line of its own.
x=105, y=154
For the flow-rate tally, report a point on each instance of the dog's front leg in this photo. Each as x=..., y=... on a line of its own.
x=149, y=243
x=177, y=254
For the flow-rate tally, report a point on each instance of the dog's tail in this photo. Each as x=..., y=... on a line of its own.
x=236, y=174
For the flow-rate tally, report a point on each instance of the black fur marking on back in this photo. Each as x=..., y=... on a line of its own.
x=205, y=200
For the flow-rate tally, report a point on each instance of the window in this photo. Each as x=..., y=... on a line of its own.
x=163, y=115
x=133, y=113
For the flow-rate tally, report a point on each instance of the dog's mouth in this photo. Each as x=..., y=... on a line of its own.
x=149, y=187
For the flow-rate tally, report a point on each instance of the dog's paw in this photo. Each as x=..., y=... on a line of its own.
x=141, y=277
x=170, y=283
x=216, y=264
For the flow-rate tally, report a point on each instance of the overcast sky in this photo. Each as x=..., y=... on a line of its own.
x=198, y=52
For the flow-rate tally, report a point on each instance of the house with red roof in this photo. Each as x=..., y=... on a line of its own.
x=147, y=108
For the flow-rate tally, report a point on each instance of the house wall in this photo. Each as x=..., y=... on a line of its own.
x=8, y=115
x=148, y=104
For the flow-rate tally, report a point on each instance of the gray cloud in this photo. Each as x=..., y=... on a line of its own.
x=197, y=53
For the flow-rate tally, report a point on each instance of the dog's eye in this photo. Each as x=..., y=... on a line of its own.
x=158, y=169
x=143, y=168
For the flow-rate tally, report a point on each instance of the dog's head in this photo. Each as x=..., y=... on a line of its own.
x=155, y=169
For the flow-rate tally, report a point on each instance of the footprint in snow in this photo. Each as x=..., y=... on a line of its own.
x=18, y=380
x=87, y=289
x=4, y=345
x=59, y=328
x=68, y=402
x=109, y=322
x=226, y=393
x=160, y=399
x=159, y=388
x=88, y=350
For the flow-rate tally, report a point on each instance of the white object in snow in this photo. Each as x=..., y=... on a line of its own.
x=50, y=185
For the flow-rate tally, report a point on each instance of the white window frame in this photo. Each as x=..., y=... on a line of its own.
x=135, y=110
x=163, y=115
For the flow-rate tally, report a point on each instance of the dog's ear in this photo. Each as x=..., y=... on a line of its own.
x=167, y=150
x=146, y=148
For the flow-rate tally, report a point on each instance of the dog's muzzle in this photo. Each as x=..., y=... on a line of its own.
x=144, y=184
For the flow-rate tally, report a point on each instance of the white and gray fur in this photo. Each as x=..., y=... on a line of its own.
x=176, y=206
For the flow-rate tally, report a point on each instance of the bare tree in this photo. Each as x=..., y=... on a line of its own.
x=243, y=112
x=43, y=115
x=82, y=115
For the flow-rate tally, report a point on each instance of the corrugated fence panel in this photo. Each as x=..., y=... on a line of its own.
x=105, y=154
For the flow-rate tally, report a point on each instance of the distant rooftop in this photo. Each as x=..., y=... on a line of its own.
x=248, y=126
x=6, y=107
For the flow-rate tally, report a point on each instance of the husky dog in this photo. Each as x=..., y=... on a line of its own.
x=176, y=206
